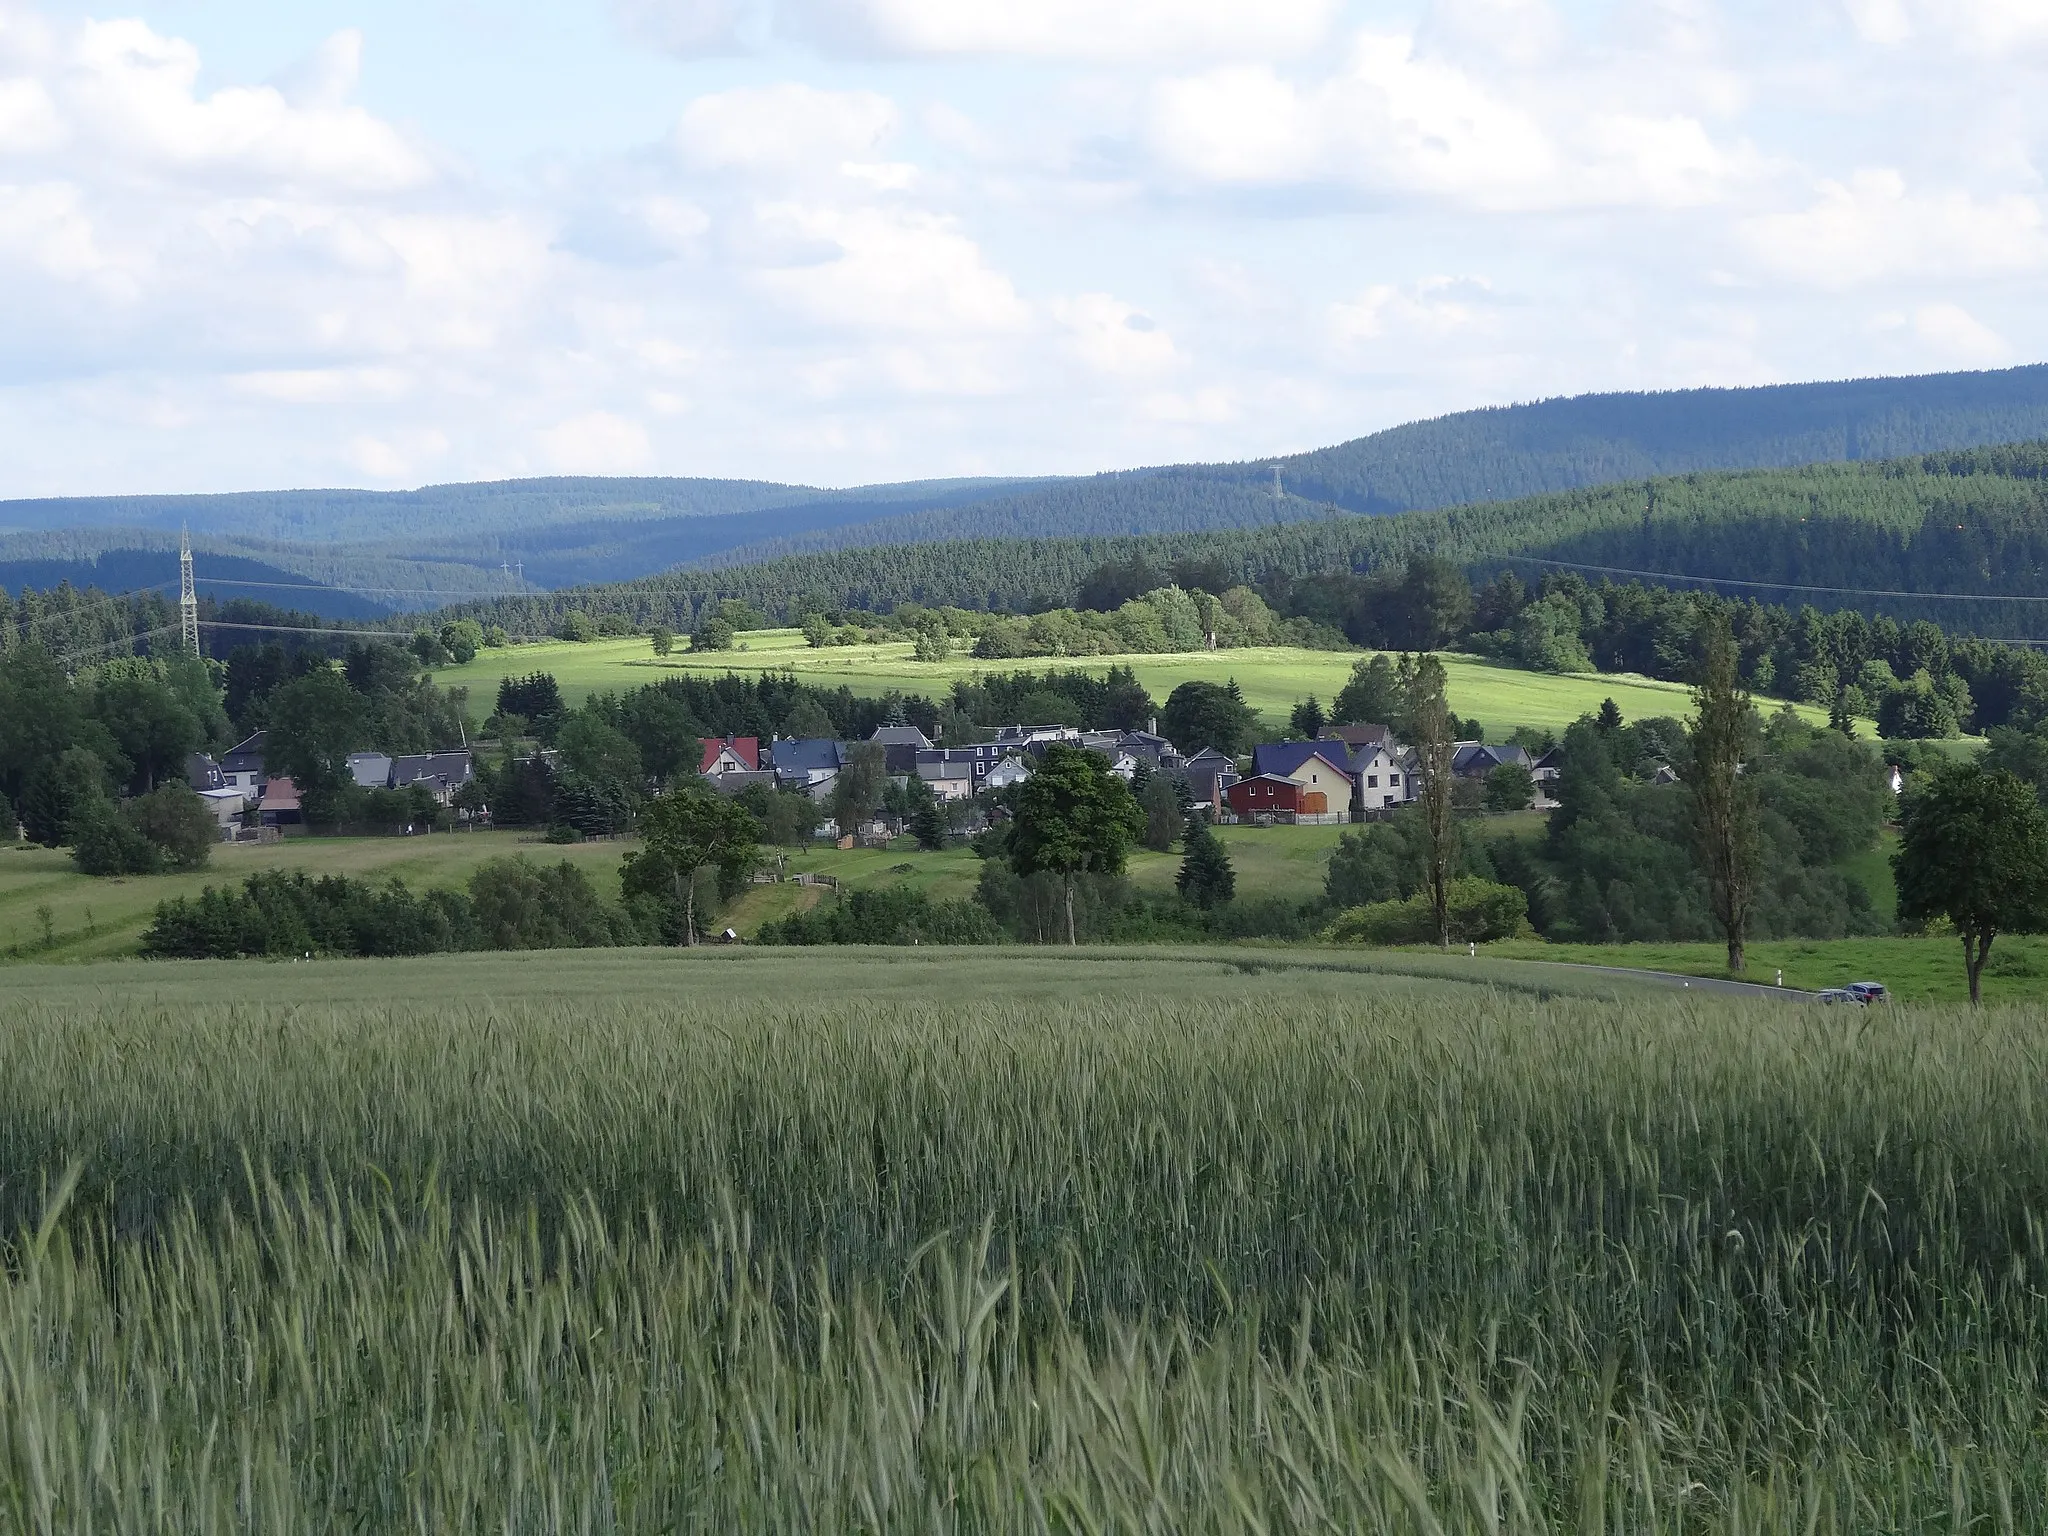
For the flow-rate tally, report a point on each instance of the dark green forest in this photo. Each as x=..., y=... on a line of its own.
x=1870, y=536
x=567, y=531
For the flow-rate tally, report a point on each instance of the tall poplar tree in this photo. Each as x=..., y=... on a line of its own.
x=1429, y=731
x=1726, y=833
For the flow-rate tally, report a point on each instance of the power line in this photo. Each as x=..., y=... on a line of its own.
x=1774, y=586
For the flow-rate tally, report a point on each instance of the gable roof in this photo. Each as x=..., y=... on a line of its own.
x=370, y=770
x=244, y=755
x=746, y=748
x=902, y=736
x=1284, y=759
x=418, y=767
x=794, y=754
x=1360, y=735
x=280, y=794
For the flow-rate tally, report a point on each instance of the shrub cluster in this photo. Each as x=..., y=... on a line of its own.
x=509, y=904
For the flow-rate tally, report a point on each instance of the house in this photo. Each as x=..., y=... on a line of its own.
x=442, y=772
x=1262, y=794
x=809, y=764
x=202, y=773
x=731, y=754
x=1011, y=770
x=370, y=770
x=951, y=773
x=226, y=807
x=1319, y=768
x=280, y=804
x=241, y=767
x=1012, y=736
x=1475, y=759
x=1547, y=766
x=1383, y=779
x=900, y=745
x=1207, y=774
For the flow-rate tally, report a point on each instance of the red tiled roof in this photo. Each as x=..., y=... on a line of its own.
x=746, y=748
x=280, y=795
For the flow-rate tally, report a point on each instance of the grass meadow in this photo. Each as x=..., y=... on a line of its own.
x=1274, y=678
x=1173, y=1241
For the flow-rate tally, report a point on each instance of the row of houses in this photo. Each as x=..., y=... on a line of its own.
x=1350, y=770
x=812, y=765
x=239, y=783
x=1359, y=770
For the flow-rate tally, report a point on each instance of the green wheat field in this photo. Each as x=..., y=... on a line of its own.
x=1119, y=1241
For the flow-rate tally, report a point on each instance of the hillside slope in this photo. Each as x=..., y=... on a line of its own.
x=565, y=531
x=1875, y=536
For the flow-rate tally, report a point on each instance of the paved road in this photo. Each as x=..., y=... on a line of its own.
x=1687, y=983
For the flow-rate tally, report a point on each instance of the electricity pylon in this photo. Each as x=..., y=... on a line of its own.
x=188, y=598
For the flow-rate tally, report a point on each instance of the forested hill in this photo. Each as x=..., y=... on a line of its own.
x=1524, y=450
x=569, y=531
x=1973, y=522
x=1496, y=454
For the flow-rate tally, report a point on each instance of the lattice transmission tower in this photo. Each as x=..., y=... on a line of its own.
x=188, y=598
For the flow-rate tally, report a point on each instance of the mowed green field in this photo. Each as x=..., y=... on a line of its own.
x=1274, y=678
x=1010, y=1241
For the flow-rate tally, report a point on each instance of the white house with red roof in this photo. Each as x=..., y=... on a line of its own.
x=730, y=754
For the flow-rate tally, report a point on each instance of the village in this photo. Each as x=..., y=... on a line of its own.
x=1351, y=773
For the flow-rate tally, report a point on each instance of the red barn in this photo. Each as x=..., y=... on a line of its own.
x=1263, y=792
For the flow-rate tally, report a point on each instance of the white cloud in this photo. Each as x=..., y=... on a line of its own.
x=786, y=129
x=1397, y=119
x=1432, y=310
x=1947, y=335
x=884, y=271
x=691, y=28
x=1113, y=337
x=596, y=443
x=131, y=90
x=1073, y=29
x=1872, y=228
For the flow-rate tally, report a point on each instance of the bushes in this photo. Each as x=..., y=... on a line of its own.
x=892, y=915
x=510, y=904
x=166, y=828
x=1481, y=911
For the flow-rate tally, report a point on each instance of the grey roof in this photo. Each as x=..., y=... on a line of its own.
x=244, y=755
x=370, y=770
x=798, y=754
x=202, y=772
x=430, y=767
x=901, y=736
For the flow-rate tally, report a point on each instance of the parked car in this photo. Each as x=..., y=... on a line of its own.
x=1840, y=995
x=1868, y=991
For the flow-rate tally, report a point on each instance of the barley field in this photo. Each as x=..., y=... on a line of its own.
x=1126, y=1241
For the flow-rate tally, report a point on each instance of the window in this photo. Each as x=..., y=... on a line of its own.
x=1372, y=781
x=1393, y=779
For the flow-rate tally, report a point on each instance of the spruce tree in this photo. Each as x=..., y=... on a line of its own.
x=1206, y=879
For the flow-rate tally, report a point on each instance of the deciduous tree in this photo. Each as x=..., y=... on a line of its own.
x=1726, y=832
x=1429, y=730
x=1973, y=848
x=1073, y=817
x=689, y=829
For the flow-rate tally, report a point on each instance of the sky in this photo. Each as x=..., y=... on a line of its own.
x=248, y=245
